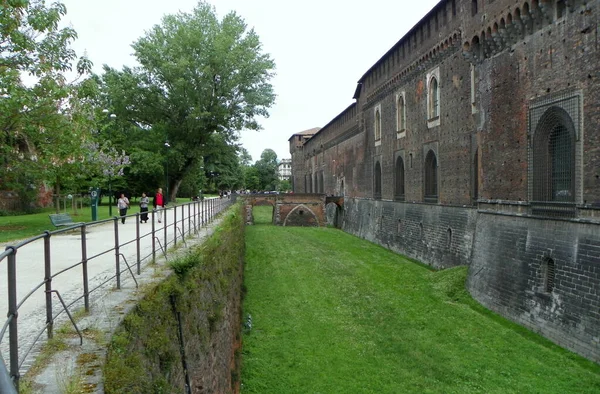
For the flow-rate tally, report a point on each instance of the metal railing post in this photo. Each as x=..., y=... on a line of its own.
x=84, y=267
x=183, y=221
x=195, y=217
x=174, y=226
x=11, y=270
x=166, y=245
x=153, y=237
x=137, y=242
x=48, y=285
x=117, y=253
x=190, y=217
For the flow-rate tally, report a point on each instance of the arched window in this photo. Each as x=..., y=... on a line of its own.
x=434, y=99
x=401, y=113
x=377, y=179
x=554, y=157
x=377, y=124
x=431, y=181
x=399, y=186
x=310, y=183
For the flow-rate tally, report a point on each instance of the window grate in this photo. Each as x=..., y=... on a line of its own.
x=377, y=188
x=550, y=275
x=553, y=165
x=399, y=189
x=431, y=189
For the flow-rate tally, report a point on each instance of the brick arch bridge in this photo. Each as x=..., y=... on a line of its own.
x=302, y=209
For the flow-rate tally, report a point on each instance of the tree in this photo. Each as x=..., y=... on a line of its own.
x=198, y=77
x=267, y=170
x=43, y=126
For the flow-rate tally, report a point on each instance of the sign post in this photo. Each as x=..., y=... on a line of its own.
x=94, y=195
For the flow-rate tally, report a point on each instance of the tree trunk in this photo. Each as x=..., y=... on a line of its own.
x=174, y=188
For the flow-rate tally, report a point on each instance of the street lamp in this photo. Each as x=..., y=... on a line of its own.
x=111, y=116
x=167, y=145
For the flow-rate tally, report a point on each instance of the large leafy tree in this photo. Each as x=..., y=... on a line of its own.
x=43, y=125
x=267, y=170
x=199, y=77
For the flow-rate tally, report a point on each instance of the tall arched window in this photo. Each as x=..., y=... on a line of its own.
x=434, y=98
x=310, y=183
x=377, y=125
x=401, y=113
x=377, y=180
x=399, y=186
x=431, y=181
x=554, y=157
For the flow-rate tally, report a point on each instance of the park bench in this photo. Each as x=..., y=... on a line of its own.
x=61, y=219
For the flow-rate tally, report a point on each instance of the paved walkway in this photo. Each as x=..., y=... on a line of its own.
x=107, y=305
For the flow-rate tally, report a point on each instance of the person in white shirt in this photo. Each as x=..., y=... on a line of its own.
x=123, y=205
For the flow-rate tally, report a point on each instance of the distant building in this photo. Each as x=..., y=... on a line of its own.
x=285, y=169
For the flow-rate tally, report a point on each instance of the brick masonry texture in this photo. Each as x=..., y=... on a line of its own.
x=501, y=67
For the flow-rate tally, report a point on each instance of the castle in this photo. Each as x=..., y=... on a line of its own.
x=474, y=141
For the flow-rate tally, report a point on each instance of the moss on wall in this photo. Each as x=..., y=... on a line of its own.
x=202, y=298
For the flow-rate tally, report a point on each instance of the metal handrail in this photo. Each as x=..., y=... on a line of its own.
x=204, y=211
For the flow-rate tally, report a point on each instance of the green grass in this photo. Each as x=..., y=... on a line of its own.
x=335, y=314
x=25, y=226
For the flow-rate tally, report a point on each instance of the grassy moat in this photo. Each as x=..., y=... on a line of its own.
x=327, y=312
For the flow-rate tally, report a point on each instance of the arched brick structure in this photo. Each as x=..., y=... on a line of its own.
x=302, y=209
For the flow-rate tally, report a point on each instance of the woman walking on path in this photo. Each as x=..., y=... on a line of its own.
x=144, y=208
x=159, y=202
x=123, y=204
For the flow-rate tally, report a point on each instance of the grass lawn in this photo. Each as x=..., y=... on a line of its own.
x=25, y=226
x=331, y=313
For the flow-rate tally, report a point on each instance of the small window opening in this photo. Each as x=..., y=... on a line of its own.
x=301, y=212
x=449, y=234
x=550, y=275
x=473, y=7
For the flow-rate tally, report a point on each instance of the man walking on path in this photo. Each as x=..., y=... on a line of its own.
x=123, y=205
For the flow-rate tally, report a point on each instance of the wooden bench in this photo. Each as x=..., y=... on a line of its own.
x=61, y=219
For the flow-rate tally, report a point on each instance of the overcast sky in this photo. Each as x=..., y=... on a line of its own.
x=320, y=48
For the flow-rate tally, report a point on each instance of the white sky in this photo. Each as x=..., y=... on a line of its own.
x=320, y=48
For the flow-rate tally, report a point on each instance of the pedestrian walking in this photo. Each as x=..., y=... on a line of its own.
x=144, y=201
x=159, y=202
x=123, y=205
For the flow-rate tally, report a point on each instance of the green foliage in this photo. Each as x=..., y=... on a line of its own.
x=201, y=81
x=357, y=318
x=285, y=186
x=266, y=170
x=143, y=356
x=44, y=124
